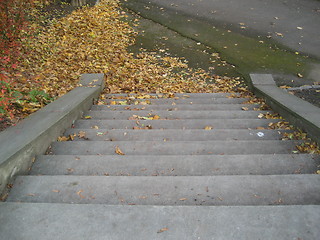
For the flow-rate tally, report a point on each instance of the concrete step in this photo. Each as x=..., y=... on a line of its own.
x=28, y=221
x=174, y=95
x=201, y=165
x=176, y=124
x=174, y=147
x=172, y=101
x=233, y=190
x=135, y=115
x=174, y=134
x=193, y=107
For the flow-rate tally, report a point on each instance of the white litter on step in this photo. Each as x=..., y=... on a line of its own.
x=260, y=134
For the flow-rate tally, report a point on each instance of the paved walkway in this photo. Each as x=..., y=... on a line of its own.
x=293, y=23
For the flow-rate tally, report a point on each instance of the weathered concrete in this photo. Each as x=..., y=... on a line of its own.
x=300, y=113
x=176, y=124
x=174, y=147
x=172, y=101
x=174, y=95
x=175, y=165
x=302, y=189
x=293, y=23
x=32, y=136
x=190, y=107
x=178, y=114
x=222, y=166
x=175, y=134
x=25, y=221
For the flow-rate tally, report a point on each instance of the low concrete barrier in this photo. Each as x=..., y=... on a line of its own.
x=297, y=111
x=32, y=136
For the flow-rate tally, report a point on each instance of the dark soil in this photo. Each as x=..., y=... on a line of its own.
x=310, y=95
x=5, y=123
x=60, y=9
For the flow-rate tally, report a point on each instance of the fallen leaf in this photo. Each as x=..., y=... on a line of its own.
x=245, y=108
x=118, y=151
x=82, y=134
x=79, y=193
x=208, y=127
x=63, y=139
x=162, y=230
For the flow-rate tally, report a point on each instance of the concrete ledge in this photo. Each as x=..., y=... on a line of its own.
x=297, y=111
x=20, y=144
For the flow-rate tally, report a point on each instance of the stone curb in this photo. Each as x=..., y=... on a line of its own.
x=21, y=143
x=297, y=111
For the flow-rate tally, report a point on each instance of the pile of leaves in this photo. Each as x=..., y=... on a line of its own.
x=95, y=40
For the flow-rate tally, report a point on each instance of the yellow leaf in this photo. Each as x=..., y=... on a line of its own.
x=162, y=230
x=63, y=139
x=208, y=127
x=81, y=134
x=118, y=151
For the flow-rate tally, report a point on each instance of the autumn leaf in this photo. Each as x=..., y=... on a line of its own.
x=82, y=134
x=66, y=138
x=63, y=138
x=118, y=151
x=79, y=193
x=208, y=127
x=163, y=230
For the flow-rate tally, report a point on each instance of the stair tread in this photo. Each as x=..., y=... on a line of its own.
x=201, y=165
x=177, y=124
x=168, y=190
x=178, y=95
x=65, y=221
x=179, y=114
x=193, y=107
x=216, y=147
x=175, y=134
x=189, y=101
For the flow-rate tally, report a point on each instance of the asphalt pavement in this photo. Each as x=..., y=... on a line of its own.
x=293, y=23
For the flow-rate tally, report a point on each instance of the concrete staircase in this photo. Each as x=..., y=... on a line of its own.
x=190, y=167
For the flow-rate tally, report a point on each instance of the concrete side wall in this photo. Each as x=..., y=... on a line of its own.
x=297, y=111
x=21, y=143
